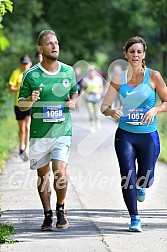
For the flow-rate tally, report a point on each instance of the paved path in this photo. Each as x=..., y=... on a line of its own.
x=98, y=218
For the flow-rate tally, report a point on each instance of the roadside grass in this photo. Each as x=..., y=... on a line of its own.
x=163, y=153
x=5, y=232
x=162, y=126
x=8, y=143
x=8, y=137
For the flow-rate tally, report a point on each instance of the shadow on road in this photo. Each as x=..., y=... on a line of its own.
x=87, y=223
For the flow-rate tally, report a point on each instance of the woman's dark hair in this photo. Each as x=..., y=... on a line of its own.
x=135, y=40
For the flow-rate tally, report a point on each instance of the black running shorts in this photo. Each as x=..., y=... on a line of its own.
x=20, y=115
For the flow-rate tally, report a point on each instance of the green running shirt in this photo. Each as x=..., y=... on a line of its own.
x=49, y=116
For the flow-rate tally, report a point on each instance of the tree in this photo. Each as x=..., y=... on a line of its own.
x=158, y=10
x=87, y=27
x=84, y=28
x=5, y=5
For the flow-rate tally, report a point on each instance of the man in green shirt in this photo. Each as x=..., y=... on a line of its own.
x=50, y=89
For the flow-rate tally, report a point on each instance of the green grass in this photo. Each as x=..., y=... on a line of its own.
x=5, y=232
x=8, y=143
x=163, y=153
x=8, y=137
x=162, y=126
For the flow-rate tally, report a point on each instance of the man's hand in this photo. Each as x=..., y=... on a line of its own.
x=35, y=96
x=70, y=103
x=26, y=103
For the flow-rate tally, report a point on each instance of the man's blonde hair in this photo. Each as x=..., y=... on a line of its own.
x=43, y=34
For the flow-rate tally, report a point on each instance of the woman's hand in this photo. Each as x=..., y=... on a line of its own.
x=149, y=116
x=116, y=113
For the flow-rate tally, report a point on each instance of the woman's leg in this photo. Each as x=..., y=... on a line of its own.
x=96, y=113
x=90, y=110
x=147, y=151
x=90, y=107
x=126, y=157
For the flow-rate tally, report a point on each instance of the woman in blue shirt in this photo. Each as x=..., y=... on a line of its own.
x=136, y=137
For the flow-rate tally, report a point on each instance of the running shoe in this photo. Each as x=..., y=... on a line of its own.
x=47, y=223
x=135, y=225
x=93, y=129
x=62, y=221
x=141, y=194
x=23, y=155
x=21, y=151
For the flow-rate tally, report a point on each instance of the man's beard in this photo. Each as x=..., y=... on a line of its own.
x=52, y=57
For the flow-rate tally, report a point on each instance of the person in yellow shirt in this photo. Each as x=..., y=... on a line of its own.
x=23, y=118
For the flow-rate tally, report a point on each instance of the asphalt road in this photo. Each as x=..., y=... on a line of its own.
x=96, y=211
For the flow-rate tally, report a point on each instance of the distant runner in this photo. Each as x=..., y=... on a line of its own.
x=23, y=117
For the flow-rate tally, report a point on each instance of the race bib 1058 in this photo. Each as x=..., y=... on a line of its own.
x=53, y=113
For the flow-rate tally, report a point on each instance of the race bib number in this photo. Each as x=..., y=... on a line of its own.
x=53, y=113
x=135, y=116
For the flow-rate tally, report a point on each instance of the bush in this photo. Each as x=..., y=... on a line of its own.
x=5, y=232
x=162, y=125
x=8, y=135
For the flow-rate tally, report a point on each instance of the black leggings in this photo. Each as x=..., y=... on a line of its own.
x=131, y=147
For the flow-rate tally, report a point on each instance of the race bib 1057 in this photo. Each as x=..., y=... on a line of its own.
x=135, y=116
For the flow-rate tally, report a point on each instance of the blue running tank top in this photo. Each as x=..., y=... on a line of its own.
x=136, y=101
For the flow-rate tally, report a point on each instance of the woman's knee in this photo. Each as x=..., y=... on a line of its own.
x=146, y=179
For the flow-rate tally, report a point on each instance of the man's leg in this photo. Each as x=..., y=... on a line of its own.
x=60, y=180
x=44, y=186
x=24, y=137
x=21, y=124
x=60, y=186
x=44, y=191
x=27, y=129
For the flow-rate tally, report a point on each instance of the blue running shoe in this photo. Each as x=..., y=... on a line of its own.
x=141, y=194
x=135, y=225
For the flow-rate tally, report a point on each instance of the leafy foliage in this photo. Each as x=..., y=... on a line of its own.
x=85, y=29
x=5, y=5
x=5, y=232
